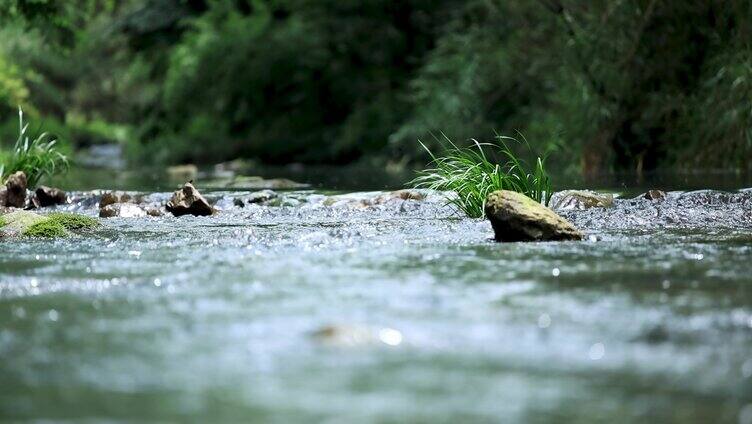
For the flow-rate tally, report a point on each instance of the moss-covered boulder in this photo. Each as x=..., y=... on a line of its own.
x=30, y=224
x=516, y=217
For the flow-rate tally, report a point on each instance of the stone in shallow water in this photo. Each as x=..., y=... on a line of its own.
x=48, y=196
x=654, y=195
x=110, y=198
x=580, y=200
x=15, y=186
x=122, y=210
x=188, y=201
x=347, y=335
x=516, y=217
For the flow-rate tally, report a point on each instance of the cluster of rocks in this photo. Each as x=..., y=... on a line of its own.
x=185, y=201
x=513, y=216
x=15, y=194
x=516, y=217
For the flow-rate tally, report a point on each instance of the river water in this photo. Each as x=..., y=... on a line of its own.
x=368, y=308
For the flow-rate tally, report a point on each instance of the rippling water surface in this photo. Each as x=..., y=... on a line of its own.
x=343, y=310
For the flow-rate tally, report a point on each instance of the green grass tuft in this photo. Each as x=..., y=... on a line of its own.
x=37, y=158
x=72, y=221
x=3, y=222
x=472, y=175
x=46, y=229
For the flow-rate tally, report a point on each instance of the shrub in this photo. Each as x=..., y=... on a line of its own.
x=472, y=175
x=37, y=158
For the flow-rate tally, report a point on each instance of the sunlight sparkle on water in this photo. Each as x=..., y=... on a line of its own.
x=597, y=351
x=390, y=336
x=544, y=321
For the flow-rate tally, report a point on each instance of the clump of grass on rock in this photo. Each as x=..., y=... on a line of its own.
x=473, y=174
x=37, y=158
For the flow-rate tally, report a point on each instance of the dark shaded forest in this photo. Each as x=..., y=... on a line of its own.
x=599, y=86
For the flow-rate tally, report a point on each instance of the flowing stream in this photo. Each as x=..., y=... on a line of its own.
x=366, y=307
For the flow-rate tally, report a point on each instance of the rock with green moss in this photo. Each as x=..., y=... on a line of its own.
x=46, y=229
x=516, y=217
x=73, y=222
x=30, y=224
x=16, y=223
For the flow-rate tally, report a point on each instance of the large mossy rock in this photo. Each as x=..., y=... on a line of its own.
x=16, y=223
x=30, y=224
x=516, y=217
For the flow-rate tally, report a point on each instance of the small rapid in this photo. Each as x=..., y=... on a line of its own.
x=382, y=307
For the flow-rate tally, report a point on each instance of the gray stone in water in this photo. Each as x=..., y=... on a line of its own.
x=516, y=217
x=261, y=196
x=580, y=200
x=188, y=201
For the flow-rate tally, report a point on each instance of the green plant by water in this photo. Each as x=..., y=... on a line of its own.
x=472, y=174
x=37, y=158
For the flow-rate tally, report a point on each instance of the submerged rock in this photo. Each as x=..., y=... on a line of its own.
x=262, y=196
x=516, y=217
x=47, y=196
x=112, y=197
x=15, y=185
x=654, y=195
x=154, y=211
x=122, y=210
x=188, y=201
x=397, y=195
x=580, y=200
x=346, y=336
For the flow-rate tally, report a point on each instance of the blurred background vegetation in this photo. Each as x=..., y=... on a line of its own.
x=601, y=85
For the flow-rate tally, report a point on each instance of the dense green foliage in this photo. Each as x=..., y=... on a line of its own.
x=470, y=174
x=37, y=158
x=603, y=84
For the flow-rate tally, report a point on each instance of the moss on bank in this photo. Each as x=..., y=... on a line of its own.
x=71, y=221
x=54, y=225
x=46, y=229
